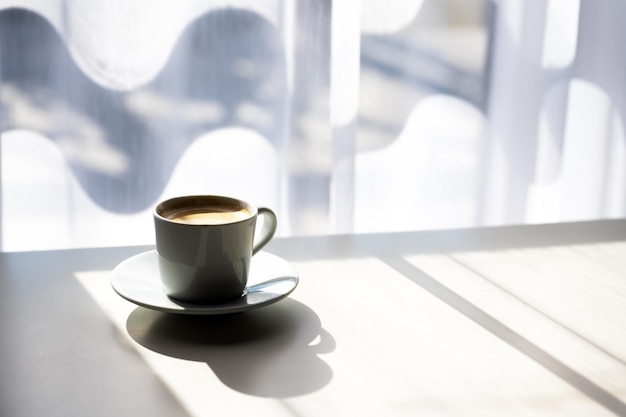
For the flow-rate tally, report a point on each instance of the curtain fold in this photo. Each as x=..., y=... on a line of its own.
x=555, y=139
x=345, y=117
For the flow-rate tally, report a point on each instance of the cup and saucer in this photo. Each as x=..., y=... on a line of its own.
x=208, y=259
x=137, y=279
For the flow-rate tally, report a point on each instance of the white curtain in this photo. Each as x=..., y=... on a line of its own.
x=555, y=143
x=344, y=116
x=110, y=106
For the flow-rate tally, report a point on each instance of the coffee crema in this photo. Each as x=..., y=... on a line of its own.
x=207, y=215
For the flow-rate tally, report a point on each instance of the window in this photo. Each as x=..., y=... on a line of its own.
x=344, y=118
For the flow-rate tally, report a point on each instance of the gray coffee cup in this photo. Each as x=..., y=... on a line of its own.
x=205, y=245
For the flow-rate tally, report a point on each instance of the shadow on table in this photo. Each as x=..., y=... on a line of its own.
x=269, y=352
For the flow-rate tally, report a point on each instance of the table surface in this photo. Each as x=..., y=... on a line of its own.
x=527, y=320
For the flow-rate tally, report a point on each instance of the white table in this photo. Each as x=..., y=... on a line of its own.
x=490, y=322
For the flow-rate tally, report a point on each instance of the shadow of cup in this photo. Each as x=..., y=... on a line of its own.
x=268, y=352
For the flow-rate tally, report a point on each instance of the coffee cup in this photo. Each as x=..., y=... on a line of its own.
x=205, y=245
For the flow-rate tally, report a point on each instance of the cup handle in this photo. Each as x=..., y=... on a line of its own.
x=266, y=231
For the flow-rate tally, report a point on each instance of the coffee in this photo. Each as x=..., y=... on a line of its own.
x=207, y=215
x=205, y=244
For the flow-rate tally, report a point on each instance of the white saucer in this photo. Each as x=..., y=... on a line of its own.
x=270, y=280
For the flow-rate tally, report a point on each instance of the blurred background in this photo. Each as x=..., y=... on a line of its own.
x=343, y=117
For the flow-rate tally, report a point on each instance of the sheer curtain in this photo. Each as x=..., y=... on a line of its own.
x=345, y=117
x=109, y=106
x=555, y=144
